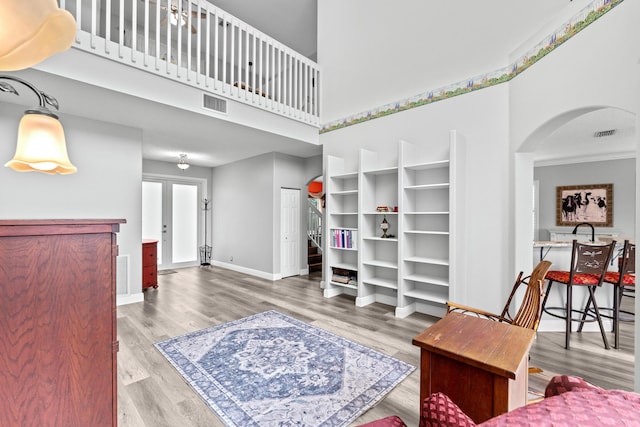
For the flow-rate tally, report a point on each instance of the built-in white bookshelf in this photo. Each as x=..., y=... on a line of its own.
x=410, y=267
x=341, y=222
x=378, y=254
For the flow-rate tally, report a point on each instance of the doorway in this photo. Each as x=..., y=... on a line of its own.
x=290, y=232
x=170, y=216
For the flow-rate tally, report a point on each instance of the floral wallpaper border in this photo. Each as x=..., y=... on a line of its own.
x=588, y=15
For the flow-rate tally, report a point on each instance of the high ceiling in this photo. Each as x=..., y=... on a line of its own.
x=293, y=22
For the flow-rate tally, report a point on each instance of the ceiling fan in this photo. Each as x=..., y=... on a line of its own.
x=177, y=18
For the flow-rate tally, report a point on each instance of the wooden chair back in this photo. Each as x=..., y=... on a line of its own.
x=530, y=311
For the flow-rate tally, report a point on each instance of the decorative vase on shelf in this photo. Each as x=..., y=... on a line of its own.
x=384, y=226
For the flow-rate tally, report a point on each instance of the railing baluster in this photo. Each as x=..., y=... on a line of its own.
x=207, y=57
x=232, y=64
x=241, y=60
x=199, y=44
x=278, y=79
x=305, y=86
x=180, y=17
x=261, y=74
x=134, y=30
x=158, y=54
x=247, y=68
x=107, y=29
x=316, y=83
x=297, y=83
x=121, y=30
x=146, y=33
x=189, y=37
x=78, y=19
x=216, y=54
x=253, y=69
x=224, y=54
x=268, y=73
x=280, y=95
x=168, y=48
x=94, y=16
x=290, y=77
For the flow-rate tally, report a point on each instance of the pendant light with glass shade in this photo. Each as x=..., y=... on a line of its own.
x=30, y=32
x=182, y=163
x=41, y=143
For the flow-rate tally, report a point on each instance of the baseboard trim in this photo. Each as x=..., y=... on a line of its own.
x=245, y=270
x=129, y=299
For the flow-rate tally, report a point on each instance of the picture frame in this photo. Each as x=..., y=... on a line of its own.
x=584, y=203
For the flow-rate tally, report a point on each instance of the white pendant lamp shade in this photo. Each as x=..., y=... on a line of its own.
x=31, y=31
x=41, y=145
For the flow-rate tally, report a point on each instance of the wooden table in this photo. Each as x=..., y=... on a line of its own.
x=482, y=365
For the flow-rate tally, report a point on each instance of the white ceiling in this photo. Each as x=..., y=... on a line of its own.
x=576, y=141
x=293, y=22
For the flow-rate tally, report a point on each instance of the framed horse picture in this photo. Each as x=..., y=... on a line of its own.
x=585, y=203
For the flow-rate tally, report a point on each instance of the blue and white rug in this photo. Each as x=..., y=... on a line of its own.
x=272, y=370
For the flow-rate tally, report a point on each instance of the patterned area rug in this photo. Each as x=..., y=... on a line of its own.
x=272, y=370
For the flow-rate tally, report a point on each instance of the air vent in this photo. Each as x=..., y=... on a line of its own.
x=215, y=104
x=602, y=133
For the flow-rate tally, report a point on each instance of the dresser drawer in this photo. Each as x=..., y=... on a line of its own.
x=149, y=254
x=149, y=264
x=149, y=276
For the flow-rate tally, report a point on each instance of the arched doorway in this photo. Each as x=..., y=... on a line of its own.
x=315, y=209
x=568, y=138
x=568, y=141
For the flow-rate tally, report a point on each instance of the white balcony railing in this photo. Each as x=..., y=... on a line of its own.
x=198, y=44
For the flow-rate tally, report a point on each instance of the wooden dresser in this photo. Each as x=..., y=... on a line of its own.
x=149, y=264
x=58, y=341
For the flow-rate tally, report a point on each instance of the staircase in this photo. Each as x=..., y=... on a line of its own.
x=314, y=257
x=314, y=235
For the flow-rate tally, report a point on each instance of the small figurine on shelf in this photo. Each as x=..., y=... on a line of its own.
x=384, y=226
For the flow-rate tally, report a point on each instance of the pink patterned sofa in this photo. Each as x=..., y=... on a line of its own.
x=569, y=401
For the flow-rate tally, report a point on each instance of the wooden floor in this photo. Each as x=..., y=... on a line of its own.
x=151, y=393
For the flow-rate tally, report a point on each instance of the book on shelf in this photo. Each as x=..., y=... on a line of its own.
x=344, y=275
x=344, y=238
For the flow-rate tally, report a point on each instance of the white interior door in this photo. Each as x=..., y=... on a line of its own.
x=290, y=232
x=170, y=216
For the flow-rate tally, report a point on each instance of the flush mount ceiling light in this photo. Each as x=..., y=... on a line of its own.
x=41, y=144
x=182, y=163
x=31, y=31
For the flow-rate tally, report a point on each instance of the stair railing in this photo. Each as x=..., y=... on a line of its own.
x=314, y=223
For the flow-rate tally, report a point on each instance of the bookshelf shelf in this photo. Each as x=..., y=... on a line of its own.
x=412, y=269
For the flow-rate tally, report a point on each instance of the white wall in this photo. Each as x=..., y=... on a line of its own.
x=598, y=67
x=374, y=52
x=620, y=173
x=481, y=119
x=595, y=68
x=107, y=184
x=242, y=213
x=246, y=211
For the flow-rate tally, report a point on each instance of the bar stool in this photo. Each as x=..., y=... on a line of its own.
x=624, y=282
x=588, y=267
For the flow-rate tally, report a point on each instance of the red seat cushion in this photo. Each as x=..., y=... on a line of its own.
x=564, y=383
x=580, y=407
x=614, y=277
x=440, y=411
x=578, y=279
